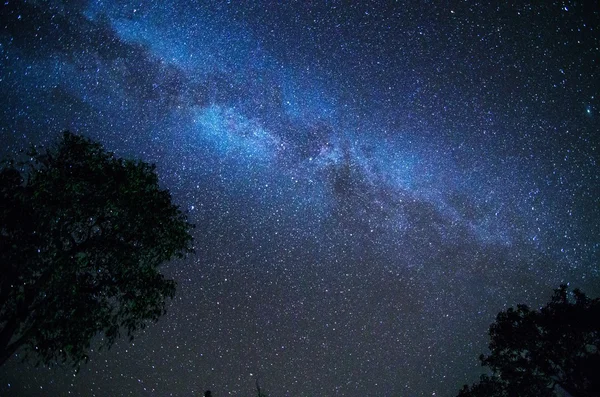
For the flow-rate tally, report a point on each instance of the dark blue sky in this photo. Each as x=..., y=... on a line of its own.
x=371, y=183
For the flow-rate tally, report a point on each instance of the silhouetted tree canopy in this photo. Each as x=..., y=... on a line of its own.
x=82, y=234
x=533, y=353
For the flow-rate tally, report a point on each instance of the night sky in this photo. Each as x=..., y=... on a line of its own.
x=371, y=182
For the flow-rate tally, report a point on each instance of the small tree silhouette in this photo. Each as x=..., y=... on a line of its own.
x=535, y=352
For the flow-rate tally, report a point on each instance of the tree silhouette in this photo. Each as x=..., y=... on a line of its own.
x=258, y=392
x=82, y=234
x=533, y=353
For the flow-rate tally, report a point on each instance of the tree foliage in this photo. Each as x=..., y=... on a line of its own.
x=534, y=353
x=82, y=234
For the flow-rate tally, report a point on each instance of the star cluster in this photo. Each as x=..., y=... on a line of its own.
x=371, y=182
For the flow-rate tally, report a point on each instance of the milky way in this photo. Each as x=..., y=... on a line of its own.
x=370, y=184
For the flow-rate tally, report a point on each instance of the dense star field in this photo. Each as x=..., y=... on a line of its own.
x=370, y=182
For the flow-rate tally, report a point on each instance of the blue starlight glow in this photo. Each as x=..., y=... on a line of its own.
x=371, y=184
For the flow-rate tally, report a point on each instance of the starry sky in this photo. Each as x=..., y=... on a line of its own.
x=372, y=182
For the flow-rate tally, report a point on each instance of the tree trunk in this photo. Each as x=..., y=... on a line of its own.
x=571, y=391
x=7, y=333
x=7, y=352
x=7, y=349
